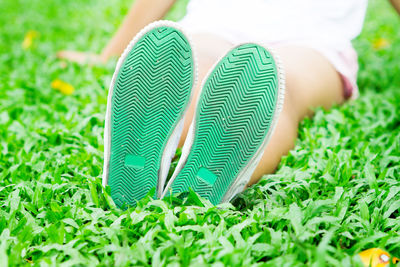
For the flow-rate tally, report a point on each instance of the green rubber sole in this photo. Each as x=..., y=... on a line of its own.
x=233, y=117
x=150, y=94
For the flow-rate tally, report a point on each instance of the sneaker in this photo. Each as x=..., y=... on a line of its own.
x=148, y=97
x=236, y=113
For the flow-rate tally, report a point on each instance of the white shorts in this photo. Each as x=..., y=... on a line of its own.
x=283, y=22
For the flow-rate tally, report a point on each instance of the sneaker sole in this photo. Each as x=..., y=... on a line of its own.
x=236, y=112
x=151, y=91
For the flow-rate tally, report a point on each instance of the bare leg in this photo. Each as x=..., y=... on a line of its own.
x=141, y=13
x=311, y=81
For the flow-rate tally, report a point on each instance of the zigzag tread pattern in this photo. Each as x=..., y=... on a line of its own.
x=150, y=94
x=233, y=117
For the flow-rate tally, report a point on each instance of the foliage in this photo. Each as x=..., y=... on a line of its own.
x=335, y=194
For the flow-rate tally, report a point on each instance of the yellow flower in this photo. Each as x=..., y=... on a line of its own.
x=380, y=43
x=28, y=39
x=62, y=86
x=376, y=257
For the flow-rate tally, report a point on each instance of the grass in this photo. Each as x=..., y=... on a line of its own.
x=336, y=193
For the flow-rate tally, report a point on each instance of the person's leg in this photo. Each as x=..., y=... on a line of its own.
x=311, y=81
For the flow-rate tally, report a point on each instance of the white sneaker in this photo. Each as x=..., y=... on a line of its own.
x=149, y=94
x=236, y=113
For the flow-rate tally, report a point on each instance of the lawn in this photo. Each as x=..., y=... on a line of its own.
x=337, y=192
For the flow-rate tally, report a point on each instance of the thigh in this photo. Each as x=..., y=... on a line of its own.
x=311, y=80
